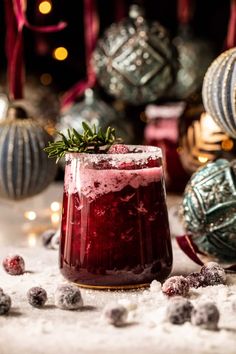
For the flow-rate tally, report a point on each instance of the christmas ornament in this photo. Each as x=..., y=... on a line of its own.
x=39, y=102
x=95, y=111
x=3, y=106
x=219, y=90
x=195, y=55
x=135, y=60
x=201, y=140
x=209, y=210
x=25, y=169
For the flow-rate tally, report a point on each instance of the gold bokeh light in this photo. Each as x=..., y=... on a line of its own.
x=45, y=7
x=60, y=53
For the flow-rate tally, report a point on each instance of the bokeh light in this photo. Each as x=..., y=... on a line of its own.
x=30, y=215
x=55, y=206
x=202, y=159
x=60, y=53
x=46, y=79
x=45, y=7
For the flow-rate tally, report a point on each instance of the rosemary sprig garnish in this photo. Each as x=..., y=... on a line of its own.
x=91, y=141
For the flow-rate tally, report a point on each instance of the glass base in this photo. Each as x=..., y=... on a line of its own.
x=115, y=287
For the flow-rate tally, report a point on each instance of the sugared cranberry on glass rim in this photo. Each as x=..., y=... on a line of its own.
x=118, y=149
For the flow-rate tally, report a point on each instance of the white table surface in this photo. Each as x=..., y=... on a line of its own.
x=51, y=330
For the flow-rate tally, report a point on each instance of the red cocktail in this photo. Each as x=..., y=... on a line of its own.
x=115, y=230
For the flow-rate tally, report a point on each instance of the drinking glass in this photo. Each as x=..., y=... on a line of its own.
x=115, y=231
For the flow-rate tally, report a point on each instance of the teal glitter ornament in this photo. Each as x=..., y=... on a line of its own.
x=209, y=210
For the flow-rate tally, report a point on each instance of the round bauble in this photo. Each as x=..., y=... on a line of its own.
x=195, y=55
x=25, y=169
x=219, y=91
x=135, y=60
x=93, y=110
x=209, y=210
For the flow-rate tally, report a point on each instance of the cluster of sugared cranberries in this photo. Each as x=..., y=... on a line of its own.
x=115, y=314
x=68, y=297
x=14, y=264
x=213, y=274
x=176, y=285
x=210, y=274
x=37, y=296
x=5, y=303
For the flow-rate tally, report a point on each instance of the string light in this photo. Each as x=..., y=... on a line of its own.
x=55, y=206
x=46, y=79
x=45, y=7
x=30, y=215
x=60, y=53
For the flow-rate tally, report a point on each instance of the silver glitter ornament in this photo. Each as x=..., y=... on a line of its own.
x=209, y=210
x=195, y=55
x=93, y=110
x=25, y=169
x=219, y=91
x=135, y=60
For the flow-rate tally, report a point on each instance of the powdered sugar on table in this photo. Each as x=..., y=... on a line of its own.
x=51, y=330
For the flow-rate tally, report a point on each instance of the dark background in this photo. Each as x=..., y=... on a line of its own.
x=210, y=22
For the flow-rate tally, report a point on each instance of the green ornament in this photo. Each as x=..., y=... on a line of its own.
x=209, y=210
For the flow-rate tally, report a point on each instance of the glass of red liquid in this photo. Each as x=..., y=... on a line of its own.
x=115, y=230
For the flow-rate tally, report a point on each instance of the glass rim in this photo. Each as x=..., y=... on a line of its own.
x=148, y=151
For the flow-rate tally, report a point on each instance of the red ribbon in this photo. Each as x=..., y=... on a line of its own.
x=191, y=250
x=186, y=245
x=184, y=11
x=16, y=21
x=91, y=28
x=231, y=35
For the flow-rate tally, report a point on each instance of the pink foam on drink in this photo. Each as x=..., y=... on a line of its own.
x=94, y=183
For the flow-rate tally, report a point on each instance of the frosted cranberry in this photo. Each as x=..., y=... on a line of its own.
x=14, y=264
x=115, y=314
x=179, y=310
x=37, y=296
x=5, y=303
x=205, y=315
x=118, y=149
x=195, y=280
x=213, y=274
x=68, y=297
x=176, y=285
x=47, y=237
